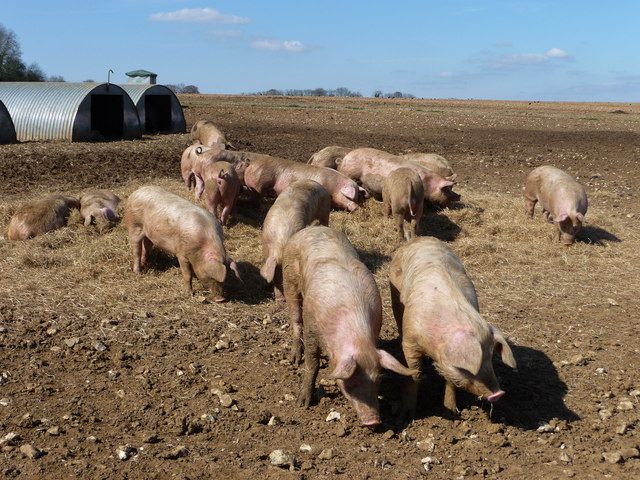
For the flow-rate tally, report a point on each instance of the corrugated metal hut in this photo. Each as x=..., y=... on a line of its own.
x=158, y=108
x=76, y=112
x=7, y=130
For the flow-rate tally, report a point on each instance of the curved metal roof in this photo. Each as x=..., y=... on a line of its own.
x=47, y=110
x=7, y=130
x=137, y=92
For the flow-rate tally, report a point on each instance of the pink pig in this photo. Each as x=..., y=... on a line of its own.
x=436, y=308
x=222, y=187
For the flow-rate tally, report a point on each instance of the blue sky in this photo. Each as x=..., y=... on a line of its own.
x=493, y=49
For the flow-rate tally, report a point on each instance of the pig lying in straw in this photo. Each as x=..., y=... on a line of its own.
x=432, y=162
x=99, y=204
x=326, y=285
x=435, y=305
x=204, y=132
x=222, y=187
x=563, y=200
x=154, y=216
x=403, y=198
x=41, y=216
x=266, y=174
x=372, y=166
x=328, y=156
x=299, y=205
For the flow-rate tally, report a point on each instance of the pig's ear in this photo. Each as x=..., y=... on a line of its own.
x=389, y=362
x=345, y=368
x=505, y=350
x=580, y=216
x=218, y=271
x=234, y=269
x=447, y=183
x=561, y=218
x=464, y=352
x=350, y=191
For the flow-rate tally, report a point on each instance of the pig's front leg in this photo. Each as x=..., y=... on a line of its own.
x=311, y=367
x=450, y=398
x=412, y=384
x=187, y=273
x=293, y=298
x=136, y=249
x=199, y=186
x=146, y=249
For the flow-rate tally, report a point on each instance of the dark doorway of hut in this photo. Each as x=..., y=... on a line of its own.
x=157, y=112
x=107, y=116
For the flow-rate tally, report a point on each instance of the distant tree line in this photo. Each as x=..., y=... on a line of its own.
x=311, y=92
x=13, y=68
x=397, y=94
x=182, y=88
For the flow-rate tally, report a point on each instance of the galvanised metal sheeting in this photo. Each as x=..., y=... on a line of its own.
x=70, y=111
x=7, y=131
x=143, y=96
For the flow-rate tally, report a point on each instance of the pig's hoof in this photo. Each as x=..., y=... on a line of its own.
x=304, y=399
x=296, y=357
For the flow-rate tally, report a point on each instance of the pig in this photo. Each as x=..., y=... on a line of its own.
x=193, y=160
x=334, y=298
x=204, y=132
x=99, y=203
x=299, y=205
x=436, y=308
x=433, y=162
x=328, y=156
x=372, y=166
x=563, y=200
x=41, y=216
x=154, y=216
x=266, y=174
x=222, y=187
x=403, y=197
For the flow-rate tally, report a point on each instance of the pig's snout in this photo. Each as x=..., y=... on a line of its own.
x=494, y=397
x=371, y=423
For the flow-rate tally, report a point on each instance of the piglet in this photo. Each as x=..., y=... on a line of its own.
x=41, y=216
x=222, y=187
x=563, y=200
x=299, y=205
x=436, y=308
x=99, y=204
x=334, y=298
x=154, y=216
x=403, y=198
x=328, y=156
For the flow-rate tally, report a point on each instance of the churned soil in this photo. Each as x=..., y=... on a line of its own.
x=107, y=374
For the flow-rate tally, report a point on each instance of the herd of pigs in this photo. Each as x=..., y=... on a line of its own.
x=332, y=297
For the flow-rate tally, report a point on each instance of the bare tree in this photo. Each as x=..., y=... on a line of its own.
x=56, y=78
x=12, y=68
x=189, y=89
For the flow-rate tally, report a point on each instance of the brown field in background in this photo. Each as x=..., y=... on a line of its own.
x=571, y=314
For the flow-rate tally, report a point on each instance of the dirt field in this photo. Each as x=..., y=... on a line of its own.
x=94, y=357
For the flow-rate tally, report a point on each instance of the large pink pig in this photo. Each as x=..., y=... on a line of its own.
x=435, y=306
x=563, y=200
x=266, y=174
x=299, y=205
x=432, y=162
x=372, y=166
x=41, y=216
x=334, y=298
x=222, y=187
x=154, y=216
x=328, y=156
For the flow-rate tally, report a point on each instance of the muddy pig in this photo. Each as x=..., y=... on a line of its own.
x=193, y=160
x=371, y=167
x=403, y=198
x=435, y=306
x=432, y=162
x=563, y=200
x=222, y=187
x=154, y=216
x=41, y=216
x=266, y=174
x=333, y=297
x=204, y=132
x=299, y=205
x=99, y=203
x=328, y=156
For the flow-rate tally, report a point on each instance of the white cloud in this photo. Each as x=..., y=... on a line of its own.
x=292, y=46
x=198, y=15
x=557, y=53
x=517, y=59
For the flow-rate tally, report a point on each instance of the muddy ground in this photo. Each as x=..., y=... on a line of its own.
x=94, y=357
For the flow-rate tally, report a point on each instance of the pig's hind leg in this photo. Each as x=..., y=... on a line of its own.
x=145, y=250
x=292, y=296
x=412, y=384
x=311, y=365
